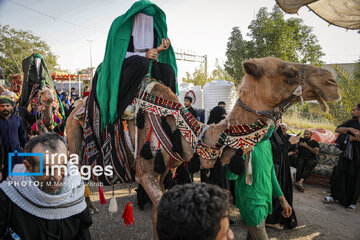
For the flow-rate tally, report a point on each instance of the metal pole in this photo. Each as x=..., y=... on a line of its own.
x=90, y=41
x=205, y=60
x=79, y=86
x=69, y=83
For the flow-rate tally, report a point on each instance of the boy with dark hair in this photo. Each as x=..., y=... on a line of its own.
x=187, y=103
x=194, y=212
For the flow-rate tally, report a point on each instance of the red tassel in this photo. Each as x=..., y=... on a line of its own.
x=101, y=196
x=128, y=215
x=170, y=162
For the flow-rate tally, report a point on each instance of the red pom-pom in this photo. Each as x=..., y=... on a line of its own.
x=101, y=196
x=128, y=215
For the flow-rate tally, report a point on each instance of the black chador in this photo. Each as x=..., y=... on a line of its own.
x=280, y=147
x=345, y=180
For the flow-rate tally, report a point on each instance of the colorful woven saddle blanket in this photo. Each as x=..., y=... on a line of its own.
x=240, y=136
x=104, y=148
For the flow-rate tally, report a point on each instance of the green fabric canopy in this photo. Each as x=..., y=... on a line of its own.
x=107, y=89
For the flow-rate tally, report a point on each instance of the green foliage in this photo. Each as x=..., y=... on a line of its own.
x=350, y=93
x=272, y=35
x=198, y=77
x=16, y=45
x=220, y=73
x=238, y=50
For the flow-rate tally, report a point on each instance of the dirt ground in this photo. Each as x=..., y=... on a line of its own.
x=316, y=219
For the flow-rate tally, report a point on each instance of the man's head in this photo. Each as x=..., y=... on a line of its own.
x=355, y=112
x=52, y=145
x=10, y=94
x=307, y=134
x=194, y=211
x=187, y=101
x=222, y=104
x=72, y=89
x=283, y=127
x=6, y=106
x=65, y=95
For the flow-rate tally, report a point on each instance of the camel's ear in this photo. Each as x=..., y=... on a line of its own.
x=253, y=69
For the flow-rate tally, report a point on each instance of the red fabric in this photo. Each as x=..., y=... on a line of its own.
x=170, y=162
x=128, y=215
x=323, y=135
x=85, y=94
x=16, y=84
x=101, y=196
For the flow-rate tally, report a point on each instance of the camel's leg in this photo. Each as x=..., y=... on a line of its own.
x=152, y=187
x=74, y=131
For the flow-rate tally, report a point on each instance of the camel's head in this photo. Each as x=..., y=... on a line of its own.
x=271, y=81
x=46, y=95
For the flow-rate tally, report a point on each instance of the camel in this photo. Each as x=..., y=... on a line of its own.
x=267, y=83
x=46, y=101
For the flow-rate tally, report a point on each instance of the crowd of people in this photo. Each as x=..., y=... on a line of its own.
x=271, y=162
x=274, y=203
x=53, y=206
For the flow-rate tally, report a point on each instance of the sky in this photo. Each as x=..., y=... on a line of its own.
x=198, y=26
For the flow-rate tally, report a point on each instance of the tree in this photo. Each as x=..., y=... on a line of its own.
x=198, y=77
x=350, y=93
x=220, y=73
x=272, y=35
x=16, y=45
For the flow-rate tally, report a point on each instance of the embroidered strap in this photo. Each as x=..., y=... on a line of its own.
x=162, y=136
x=240, y=136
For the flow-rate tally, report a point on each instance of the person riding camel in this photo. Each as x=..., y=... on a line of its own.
x=135, y=39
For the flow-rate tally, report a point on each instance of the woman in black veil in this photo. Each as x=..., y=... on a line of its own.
x=280, y=148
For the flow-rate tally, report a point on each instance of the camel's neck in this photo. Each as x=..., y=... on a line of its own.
x=48, y=115
x=238, y=115
x=248, y=97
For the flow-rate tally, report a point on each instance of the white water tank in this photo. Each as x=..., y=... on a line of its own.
x=193, y=91
x=216, y=91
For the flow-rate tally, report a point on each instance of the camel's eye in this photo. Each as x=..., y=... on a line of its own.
x=290, y=76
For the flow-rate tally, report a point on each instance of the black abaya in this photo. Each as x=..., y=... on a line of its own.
x=345, y=180
x=280, y=147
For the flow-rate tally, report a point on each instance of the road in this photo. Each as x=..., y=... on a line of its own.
x=316, y=219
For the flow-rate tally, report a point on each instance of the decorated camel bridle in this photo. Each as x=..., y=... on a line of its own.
x=277, y=112
x=37, y=107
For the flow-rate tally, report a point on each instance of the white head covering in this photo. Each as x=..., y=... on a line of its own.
x=143, y=34
x=283, y=124
x=9, y=93
x=30, y=198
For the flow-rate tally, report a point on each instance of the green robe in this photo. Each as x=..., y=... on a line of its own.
x=107, y=89
x=255, y=201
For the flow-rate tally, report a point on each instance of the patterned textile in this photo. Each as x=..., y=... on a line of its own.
x=16, y=84
x=163, y=138
x=240, y=136
x=105, y=148
x=327, y=158
x=36, y=104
